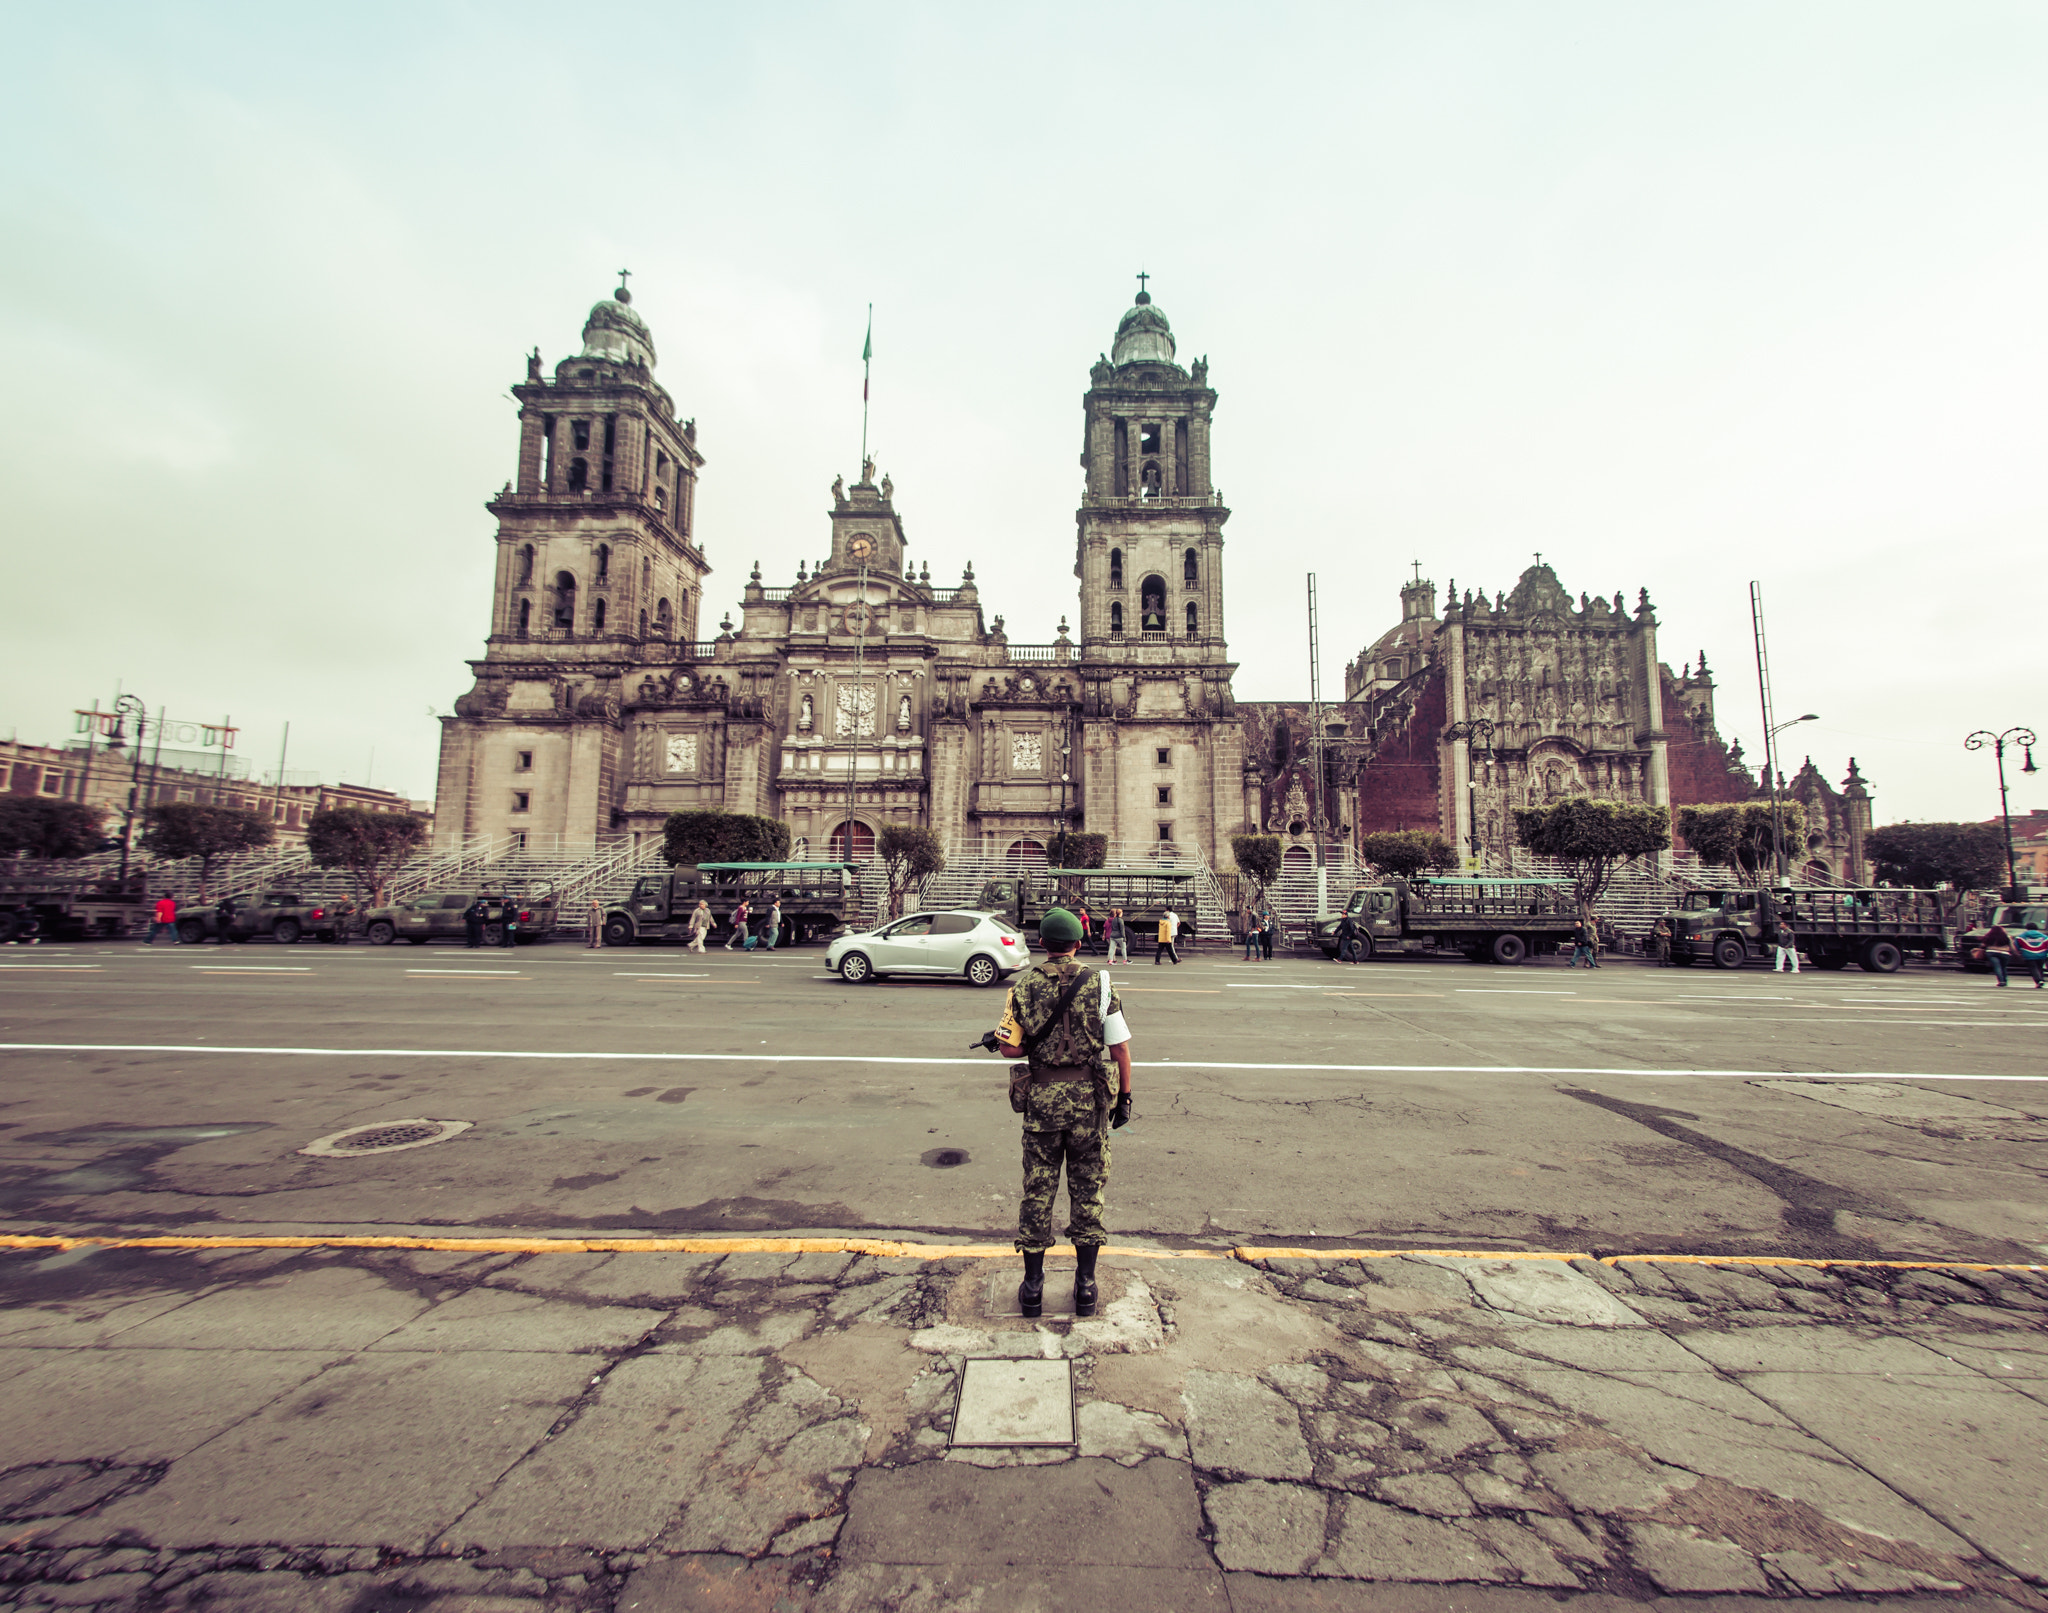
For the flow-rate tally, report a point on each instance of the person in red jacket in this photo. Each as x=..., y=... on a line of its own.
x=166, y=919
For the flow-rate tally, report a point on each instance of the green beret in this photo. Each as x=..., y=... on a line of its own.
x=1059, y=928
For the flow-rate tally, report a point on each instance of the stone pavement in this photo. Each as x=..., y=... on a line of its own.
x=354, y=1430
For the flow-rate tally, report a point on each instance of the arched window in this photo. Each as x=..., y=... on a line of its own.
x=579, y=475
x=1190, y=568
x=1025, y=854
x=1116, y=568
x=526, y=563
x=643, y=623
x=1391, y=671
x=664, y=624
x=604, y=562
x=646, y=573
x=1194, y=620
x=565, y=602
x=1297, y=858
x=525, y=617
x=1152, y=604
x=597, y=617
x=1149, y=479
x=852, y=843
x=1116, y=618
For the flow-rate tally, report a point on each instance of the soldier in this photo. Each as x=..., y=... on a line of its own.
x=473, y=922
x=508, y=921
x=1068, y=1021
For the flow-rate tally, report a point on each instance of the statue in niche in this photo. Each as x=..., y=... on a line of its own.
x=903, y=715
x=804, y=716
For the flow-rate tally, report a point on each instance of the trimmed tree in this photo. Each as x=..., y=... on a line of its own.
x=55, y=830
x=723, y=837
x=908, y=854
x=1595, y=839
x=1738, y=836
x=178, y=831
x=1965, y=855
x=1404, y=853
x=1258, y=857
x=370, y=845
x=1077, y=850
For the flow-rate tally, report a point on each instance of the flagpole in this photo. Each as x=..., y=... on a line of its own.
x=867, y=363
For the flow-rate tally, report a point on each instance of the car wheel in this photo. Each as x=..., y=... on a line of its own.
x=1882, y=958
x=1729, y=953
x=286, y=933
x=191, y=932
x=494, y=935
x=381, y=933
x=855, y=969
x=618, y=932
x=1509, y=949
x=982, y=970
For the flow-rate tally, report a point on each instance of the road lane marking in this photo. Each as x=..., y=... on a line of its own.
x=1177, y=991
x=1240, y=985
x=1511, y=991
x=252, y=968
x=631, y=974
x=52, y=966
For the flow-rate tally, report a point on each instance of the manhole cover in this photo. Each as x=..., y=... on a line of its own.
x=387, y=1137
x=944, y=1159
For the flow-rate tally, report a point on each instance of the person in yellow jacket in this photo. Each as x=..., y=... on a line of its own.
x=1169, y=932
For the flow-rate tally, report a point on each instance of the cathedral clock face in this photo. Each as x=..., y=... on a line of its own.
x=860, y=546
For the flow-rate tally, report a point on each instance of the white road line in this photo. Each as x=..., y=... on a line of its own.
x=480, y=972
x=256, y=968
x=634, y=974
x=52, y=966
x=1239, y=985
x=983, y=1063
x=1511, y=991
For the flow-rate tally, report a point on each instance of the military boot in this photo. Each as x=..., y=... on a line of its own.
x=1031, y=1291
x=1084, y=1278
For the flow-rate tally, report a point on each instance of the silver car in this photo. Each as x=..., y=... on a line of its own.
x=979, y=946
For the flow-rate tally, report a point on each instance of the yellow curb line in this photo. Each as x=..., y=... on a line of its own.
x=885, y=1248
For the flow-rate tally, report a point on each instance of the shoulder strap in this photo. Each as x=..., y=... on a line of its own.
x=1033, y=1038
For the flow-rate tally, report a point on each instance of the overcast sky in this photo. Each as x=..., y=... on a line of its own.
x=1680, y=296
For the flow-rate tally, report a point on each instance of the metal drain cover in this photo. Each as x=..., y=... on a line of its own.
x=386, y=1137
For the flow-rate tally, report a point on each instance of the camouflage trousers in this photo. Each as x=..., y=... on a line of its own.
x=1061, y=1130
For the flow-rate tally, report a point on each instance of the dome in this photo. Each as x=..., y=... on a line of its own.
x=1143, y=335
x=613, y=331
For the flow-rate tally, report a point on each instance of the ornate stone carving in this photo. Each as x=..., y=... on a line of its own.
x=854, y=711
x=804, y=716
x=903, y=715
x=681, y=753
x=1027, y=753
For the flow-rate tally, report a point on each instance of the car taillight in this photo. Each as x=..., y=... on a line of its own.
x=319, y=913
x=1006, y=941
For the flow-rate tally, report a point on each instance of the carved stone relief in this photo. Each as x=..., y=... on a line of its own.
x=854, y=711
x=1027, y=753
x=681, y=754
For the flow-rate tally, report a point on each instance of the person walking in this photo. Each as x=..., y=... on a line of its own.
x=508, y=923
x=700, y=924
x=1169, y=932
x=1118, y=934
x=739, y=937
x=473, y=922
x=1068, y=1022
x=772, y=936
x=167, y=919
x=223, y=919
x=2030, y=952
x=1248, y=921
x=1997, y=950
x=1582, y=946
x=1784, y=947
x=1347, y=939
x=1087, y=928
x=1269, y=929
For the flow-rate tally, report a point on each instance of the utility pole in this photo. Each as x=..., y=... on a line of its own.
x=1315, y=698
x=1763, y=684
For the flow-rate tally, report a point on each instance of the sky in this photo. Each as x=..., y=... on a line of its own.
x=1682, y=297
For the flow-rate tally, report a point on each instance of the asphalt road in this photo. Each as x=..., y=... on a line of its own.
x=1422, y=1105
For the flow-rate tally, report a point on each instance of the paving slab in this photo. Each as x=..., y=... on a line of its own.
x=326, y=1308
x=1015, y=1402
x=505, y=1319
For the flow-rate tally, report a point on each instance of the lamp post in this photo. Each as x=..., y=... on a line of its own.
x=2023, y=737
x=1066, y=778
x=1771, y=779
x=126, y=706
x=1469, y=729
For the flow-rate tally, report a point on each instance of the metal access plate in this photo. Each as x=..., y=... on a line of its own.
x=1059, y=1294
x=1015, y=1402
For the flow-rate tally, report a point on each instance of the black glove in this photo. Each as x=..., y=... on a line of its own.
x=1121, y=1115
x=988, y=1040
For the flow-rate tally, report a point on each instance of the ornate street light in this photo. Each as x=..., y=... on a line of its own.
x=1468, y=729
x=2023, y=737
x=126, y=706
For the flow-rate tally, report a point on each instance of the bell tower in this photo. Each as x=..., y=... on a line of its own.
x=1162, y=751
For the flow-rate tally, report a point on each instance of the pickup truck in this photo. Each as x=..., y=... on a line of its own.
x=1872, y=928
x=64, y=907
x=284, y=916
x=437, y=916
x=1489, y=920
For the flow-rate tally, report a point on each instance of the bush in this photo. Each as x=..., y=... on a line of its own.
x=179, y=830
x=1738, y=836
x=723, y=837
x=1404, y=853
x=908, y=855
x=1595, y=838
x=57, y=830
x=1965, y=855
x=1077, y=850
x=1258, y=857
x=370, y=845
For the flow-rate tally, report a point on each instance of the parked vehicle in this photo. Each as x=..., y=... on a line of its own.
x=1489, y=920
x=71, y=907
x=981, y=947
x=2023, y=915
x=816, y=898
x=438, y=916
x=284, y=916
x=1144, y=894
x=1872, y=928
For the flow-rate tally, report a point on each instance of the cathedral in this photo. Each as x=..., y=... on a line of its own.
x=863, y=693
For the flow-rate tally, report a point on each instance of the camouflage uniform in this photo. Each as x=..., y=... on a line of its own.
x=1065, y=1122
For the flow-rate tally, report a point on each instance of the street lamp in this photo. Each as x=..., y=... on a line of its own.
x=126, y=706
x=1066, y=778
x=2023, y=737
x=1771, y=779
x=1468, y=729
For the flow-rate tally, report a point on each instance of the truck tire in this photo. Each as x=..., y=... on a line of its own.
x=1882, y=958
x=10, y=927
x=618, y=931
x=1509, y=949
x=381, y=932
x=1730, y=953
x=191, y=932
x=1831, y=959
x=494, y=935
x=286, y=933
x=855, y=969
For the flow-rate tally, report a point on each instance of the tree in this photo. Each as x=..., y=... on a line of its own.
x=178, y=830
x=1738, y=836
x=1258, y=857
x=723, y=837
x=1965, y=855
x=370, y=845
x=908, y=854
x=1595, y=838
x=56, y=830
x=1404, y=853
x=1077, y=850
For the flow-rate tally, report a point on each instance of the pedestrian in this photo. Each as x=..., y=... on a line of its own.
x=1248, y=927
x=473, y=917
x=596, y=922
x=700, y=924
x=223, y=919
x=772, y=936
x=167, y=919
x=1269, y=926
x=1169, y=930
x=739, y=937
x=1785, y=947
x=1347, y=939
x=1998, y=950
x=1118, y=934
x=1087, y=928
x=1660, y=941
x=508, y=923
x=26, y=926
x=1068, y=1022
x=2029, y=951
x=1582, y=946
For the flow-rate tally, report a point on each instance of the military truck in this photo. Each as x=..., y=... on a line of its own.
x=2029, y=913
x=1872, y=928
x=817, y=899
x=438, y=915
x=284, y=916
x=1489, y=920
x=71, y=907
x=1026, y=896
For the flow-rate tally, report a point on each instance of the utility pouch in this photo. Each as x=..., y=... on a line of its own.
x=1020, y=1074
x=1020, y=1087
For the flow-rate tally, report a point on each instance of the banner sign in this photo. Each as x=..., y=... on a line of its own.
x=206, y=735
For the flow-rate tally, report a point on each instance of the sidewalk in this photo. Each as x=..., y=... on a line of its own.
x=471, y=1432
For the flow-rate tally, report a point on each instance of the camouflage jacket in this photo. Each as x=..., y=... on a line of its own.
x=1078, y=1038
